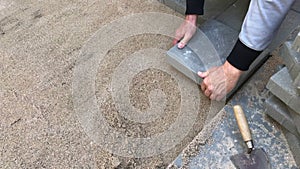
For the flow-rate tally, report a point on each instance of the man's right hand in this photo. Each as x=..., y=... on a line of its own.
x=186, y=31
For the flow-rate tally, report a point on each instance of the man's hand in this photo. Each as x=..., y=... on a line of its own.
x=219, y=81
x=186, y=31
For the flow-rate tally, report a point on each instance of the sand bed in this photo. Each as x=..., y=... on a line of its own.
x=40, y=45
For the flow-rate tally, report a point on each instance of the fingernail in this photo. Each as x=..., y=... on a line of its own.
x=180, y=45
x=200, y=75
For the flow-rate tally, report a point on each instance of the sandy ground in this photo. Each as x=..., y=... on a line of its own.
x=40, y=42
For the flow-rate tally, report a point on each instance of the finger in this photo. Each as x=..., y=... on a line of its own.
x=175, y=41
x=203, y=74
x=207, y=93
x=181, y=45
x=216, y=96
x=178, y=35
x=220, y=98
x=212, y=96
x=203, y=87
x=185, y=40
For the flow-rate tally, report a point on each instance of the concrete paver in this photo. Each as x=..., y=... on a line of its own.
x=296, y=6
x=216, y=39
x=297, y=83
x=296, y=118
x=291, y=59
x=294, y=143
x=234, y=15
x=281, y=85
x=296, y=43
x=279, y=112
x=177, y=5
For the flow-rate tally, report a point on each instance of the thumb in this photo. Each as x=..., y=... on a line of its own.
x=203, y=74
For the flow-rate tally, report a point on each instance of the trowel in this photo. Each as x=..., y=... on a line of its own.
x=254, y=158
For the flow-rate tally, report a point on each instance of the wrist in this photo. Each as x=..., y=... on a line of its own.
x=230, y=69
x=191, y=18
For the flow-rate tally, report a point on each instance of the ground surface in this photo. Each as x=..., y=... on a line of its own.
x=40, y=44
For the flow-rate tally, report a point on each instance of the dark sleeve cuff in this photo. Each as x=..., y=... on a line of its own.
x=194, y=7
x=242, y=56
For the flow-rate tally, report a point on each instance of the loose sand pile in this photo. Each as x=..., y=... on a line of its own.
x=40, y=43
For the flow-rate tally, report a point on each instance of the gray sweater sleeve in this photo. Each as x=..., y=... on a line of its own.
x=259, y=27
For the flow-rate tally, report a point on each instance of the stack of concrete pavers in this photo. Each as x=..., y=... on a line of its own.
x=284, y=104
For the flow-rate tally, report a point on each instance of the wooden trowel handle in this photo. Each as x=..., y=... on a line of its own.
x=243, y=126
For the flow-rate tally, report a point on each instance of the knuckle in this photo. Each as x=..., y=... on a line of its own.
x=207, y=93
x=205, y=81
x=210, y=88
x=189, y=34
x=202, y=87
x=177, y=34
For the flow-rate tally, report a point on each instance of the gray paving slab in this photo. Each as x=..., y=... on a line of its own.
x=296, y=43
x=223, y=37
x=291, y=59
x=235, y=14
x=296, y=117
x=177, y=5
x=294, y=143
x=214, y=8
x=279, y=112
x=297, y=84
x=296, y=6
x=208, y=48
x=281, y=85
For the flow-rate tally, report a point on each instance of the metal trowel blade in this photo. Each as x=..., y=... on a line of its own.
x=257, y=159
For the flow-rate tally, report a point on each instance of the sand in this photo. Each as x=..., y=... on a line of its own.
x=40, y=44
